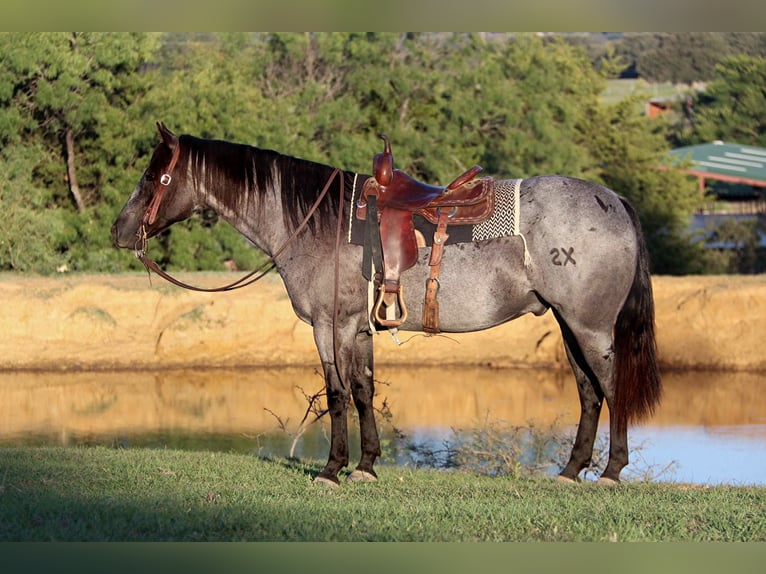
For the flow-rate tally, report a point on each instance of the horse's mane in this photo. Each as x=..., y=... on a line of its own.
x=235, y=174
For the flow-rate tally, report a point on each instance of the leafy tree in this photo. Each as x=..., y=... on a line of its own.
x=62, y=97
x=744, y=253
x=733, y=106
x=28, y=234
x=628, y=154
x=77, y=115
x=664, y=57
x=682, y=58
x=746, y=43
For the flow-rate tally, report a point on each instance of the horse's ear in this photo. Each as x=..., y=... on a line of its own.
x=169, y=138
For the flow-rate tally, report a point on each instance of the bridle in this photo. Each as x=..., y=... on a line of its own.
x=151, y=214
x=159, y=189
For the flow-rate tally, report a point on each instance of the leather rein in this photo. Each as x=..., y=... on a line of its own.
x=261, y=270
x=253, y=276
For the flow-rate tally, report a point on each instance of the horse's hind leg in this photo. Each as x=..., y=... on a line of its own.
x=363, y=392
x=592, y=359
x=591, y=401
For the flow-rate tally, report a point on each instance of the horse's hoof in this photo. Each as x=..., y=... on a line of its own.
x=326, y=482
x=605, y=481
x=565, y=480
x=361, y=476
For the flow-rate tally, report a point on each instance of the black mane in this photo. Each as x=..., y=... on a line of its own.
x=235, y=173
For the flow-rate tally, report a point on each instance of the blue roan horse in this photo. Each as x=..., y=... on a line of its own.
x=587, y=262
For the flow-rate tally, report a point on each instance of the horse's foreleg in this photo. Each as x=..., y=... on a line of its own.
x=363, y=392
x=337, y=406
x=338, y=396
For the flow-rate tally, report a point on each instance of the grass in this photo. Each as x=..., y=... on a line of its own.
x=617, y=90
x=102, y=494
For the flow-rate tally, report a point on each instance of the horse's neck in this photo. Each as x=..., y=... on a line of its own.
x=262, y=218
x=256, y=198
x=259, y=219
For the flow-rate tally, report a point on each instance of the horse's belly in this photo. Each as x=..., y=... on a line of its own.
x=480, y=286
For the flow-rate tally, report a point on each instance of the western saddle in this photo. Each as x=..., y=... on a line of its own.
x=388, y=203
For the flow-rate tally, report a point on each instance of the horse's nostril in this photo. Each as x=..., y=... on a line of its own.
x=116, y=236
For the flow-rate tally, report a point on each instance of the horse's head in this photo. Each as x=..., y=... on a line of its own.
x=160, y=199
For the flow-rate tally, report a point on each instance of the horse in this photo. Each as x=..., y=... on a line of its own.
x=580, y=253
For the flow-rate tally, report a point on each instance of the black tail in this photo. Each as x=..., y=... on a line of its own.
x=637, y=384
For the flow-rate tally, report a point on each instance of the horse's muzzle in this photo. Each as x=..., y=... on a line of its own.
x=122, y=239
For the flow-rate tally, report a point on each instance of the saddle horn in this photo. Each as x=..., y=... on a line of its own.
x=383, y=163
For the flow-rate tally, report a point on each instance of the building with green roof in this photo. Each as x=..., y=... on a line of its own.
x=741, y=168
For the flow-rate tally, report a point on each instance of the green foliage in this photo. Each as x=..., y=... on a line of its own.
x=52, y=86
x=681, y=57
x=676, y=57
x=746, y=255
x=628, y=156
x=77, y=113
x=28, y=235
x=733, y=106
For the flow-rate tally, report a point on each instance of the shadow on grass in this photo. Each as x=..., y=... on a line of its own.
x=101, y=494
x=309, y=469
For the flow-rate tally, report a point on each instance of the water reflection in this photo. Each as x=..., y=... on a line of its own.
x=712, y=424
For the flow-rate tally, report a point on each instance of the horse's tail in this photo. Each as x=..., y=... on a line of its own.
x=637, y=385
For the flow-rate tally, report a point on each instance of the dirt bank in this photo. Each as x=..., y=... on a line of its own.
x=121, y=321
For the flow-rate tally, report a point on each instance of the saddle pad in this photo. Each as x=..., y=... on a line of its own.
x=505, y=219
x=502, y=223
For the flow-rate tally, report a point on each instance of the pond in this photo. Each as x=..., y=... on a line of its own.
x=709, y=429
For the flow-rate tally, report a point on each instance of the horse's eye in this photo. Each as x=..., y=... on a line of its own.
x=149, y=176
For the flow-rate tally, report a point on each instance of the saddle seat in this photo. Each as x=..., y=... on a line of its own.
x=393, y=197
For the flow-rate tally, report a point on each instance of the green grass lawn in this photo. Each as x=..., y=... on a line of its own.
x=617, y=90
x=101, y=494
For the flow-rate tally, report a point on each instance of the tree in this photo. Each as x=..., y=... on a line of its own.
x=682, y=58
x=628, y=153
x=77, y=114
x=741, y=241
x=733, y=106
x=63, y=95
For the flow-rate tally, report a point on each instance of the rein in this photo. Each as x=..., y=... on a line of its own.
x=264, y=268
x=254, y=275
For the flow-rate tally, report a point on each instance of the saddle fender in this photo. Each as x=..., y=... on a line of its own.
x=400, y=247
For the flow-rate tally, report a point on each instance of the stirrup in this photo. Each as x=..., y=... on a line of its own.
x=384, y=321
